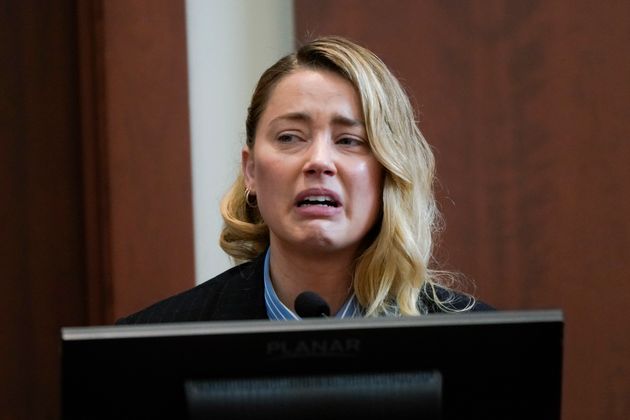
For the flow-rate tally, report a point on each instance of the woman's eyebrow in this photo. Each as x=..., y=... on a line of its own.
x=305, y=117
x=292, y=116
x=346, y=121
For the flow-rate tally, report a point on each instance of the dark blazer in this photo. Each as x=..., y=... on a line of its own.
x=238, y=294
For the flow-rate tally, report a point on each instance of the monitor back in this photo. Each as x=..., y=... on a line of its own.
x=499, y=365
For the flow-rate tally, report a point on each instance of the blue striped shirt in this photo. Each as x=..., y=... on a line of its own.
x=278, y=311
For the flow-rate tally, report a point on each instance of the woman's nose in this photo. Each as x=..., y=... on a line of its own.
x=320, y=158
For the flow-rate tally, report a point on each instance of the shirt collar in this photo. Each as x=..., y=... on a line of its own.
x=276, y=310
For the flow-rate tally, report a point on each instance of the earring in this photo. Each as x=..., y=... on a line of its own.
x=248, y=200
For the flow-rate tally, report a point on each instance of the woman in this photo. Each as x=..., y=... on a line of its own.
x=335, y=197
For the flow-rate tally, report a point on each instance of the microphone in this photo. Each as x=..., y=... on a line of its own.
x=311, y=305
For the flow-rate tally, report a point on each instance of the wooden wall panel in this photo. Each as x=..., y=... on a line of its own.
x=94, y=178
x=137, y=153
x=41, y=240
x=526, y=106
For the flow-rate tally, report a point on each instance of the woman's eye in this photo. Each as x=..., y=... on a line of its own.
x=350, y=141
x=287, y=138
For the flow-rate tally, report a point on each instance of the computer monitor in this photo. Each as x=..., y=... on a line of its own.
x=490, y=365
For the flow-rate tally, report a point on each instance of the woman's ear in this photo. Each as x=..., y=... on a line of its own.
x=247, y=165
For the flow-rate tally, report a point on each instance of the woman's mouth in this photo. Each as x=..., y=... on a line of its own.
x=318, y=203
x=318, y=200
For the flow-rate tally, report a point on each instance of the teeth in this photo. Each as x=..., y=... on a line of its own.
x=318, y=200
x=321, y=198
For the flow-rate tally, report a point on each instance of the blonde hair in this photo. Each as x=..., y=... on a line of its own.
x=392, y=273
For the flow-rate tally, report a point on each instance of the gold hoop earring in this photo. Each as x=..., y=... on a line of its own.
x=248, y=200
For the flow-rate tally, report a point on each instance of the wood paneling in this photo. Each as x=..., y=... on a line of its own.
x=526, y=106
x=94, y=178
x=137, y=153
x=41, y=247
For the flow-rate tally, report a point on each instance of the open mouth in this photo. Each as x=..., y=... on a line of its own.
x=318, y=200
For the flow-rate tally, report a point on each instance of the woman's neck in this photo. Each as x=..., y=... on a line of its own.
x=294, y=271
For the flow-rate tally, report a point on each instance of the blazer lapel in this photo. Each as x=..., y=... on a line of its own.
x=243, y=295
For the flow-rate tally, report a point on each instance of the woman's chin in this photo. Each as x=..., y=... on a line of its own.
x=321, y=242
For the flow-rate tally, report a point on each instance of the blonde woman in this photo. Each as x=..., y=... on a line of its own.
x=335, y=196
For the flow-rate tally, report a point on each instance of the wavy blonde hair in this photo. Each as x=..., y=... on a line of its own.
x=392, y=272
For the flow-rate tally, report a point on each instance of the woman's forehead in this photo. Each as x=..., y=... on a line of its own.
x=305, y=92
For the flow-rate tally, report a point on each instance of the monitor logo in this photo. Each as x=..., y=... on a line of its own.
x=313, y=348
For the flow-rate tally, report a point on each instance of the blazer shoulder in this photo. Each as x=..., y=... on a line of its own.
x=195, y=304
x=441, y=299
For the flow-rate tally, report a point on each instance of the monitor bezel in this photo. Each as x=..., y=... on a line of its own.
x=249, y=342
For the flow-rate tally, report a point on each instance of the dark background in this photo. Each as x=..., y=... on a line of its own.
x=525, y=103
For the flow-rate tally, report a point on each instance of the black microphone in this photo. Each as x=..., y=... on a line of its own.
x=311, y=305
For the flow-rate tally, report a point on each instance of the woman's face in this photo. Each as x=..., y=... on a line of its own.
x=316, y=181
